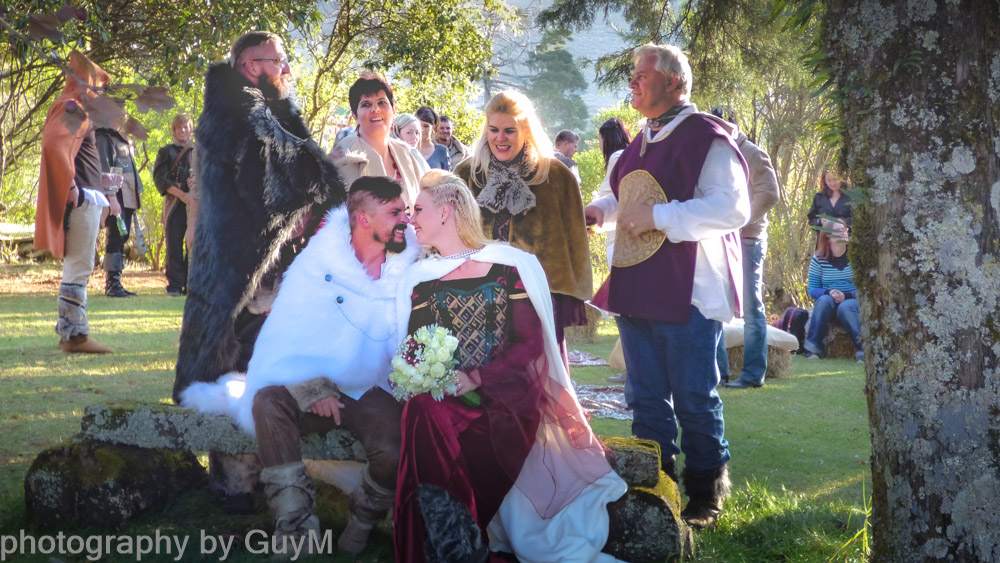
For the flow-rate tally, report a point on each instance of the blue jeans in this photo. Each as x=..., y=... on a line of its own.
x=672, y=375
x=754, y=317
x=755, y=321
x=819, y=322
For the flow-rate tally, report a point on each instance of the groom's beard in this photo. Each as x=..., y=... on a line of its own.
x=396, y=247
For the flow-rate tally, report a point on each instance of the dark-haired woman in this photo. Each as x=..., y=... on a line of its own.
x=372, y=151
x=830, y=201
x=436, y=155
x=831, y=284
x=614, y=138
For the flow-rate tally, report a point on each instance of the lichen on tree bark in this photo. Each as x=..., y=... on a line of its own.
x=918, y=84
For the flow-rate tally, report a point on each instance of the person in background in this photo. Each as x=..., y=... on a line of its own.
x=831, y=284
x=830, y=201
x=71, y=198
x=764, y=194
x=436, y=155
x=457, y=152
x=406, y=128
x=675, y=274
x=566, y=144
x=532, y=202
x=372, y=151
x=613, y=137
x=172, y=176
x=116, y=151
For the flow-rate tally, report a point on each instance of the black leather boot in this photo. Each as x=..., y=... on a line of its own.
x=114, y=263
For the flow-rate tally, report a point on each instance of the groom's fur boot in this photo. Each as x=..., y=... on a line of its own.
x=291, y=497
x=369, y=504
x=706, y=491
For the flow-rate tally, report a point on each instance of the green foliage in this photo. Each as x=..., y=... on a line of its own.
x=433, y=50
x=557, y=83
x=591, y=166
x=624, y=111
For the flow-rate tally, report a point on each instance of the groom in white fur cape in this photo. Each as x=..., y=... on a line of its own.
x=321, y=361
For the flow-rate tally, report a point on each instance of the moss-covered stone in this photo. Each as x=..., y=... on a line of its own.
x=83, y=482
x=646, y=525
x=637, y=461
x=155, y=425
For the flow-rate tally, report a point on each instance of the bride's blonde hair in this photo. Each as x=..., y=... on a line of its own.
x=446, y=188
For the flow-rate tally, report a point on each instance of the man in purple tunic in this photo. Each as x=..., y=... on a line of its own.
x=681, y=187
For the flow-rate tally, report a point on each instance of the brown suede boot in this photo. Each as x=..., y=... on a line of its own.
x=706, y=491
x=83, y=344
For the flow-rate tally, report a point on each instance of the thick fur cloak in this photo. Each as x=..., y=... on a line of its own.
x=329, y=320
x=260, y=176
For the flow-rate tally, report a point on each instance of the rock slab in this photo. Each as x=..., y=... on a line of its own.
x=83, y=483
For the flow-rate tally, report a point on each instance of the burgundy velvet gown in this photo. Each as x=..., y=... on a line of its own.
x=474, y=453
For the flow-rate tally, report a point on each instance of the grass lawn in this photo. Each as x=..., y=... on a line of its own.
x=800, y=444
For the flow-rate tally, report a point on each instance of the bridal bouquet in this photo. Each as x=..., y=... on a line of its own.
x=425, y=363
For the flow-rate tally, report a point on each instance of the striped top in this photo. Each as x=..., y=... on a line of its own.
x=835, y=273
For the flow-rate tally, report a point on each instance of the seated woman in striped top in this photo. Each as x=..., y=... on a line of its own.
x=832, y=286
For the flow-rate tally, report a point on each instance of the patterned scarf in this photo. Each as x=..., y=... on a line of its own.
x=505, y=189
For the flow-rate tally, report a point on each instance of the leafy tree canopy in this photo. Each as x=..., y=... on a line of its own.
x=557, y=83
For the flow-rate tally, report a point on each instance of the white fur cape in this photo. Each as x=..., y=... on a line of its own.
x=574, y=524
x=329, y=319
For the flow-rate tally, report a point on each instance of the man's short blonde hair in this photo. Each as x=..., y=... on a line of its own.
x=670, y=61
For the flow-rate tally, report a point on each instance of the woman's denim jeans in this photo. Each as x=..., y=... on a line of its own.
x=819, y=322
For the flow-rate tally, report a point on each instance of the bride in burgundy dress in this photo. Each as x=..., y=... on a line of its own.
x=523, y=468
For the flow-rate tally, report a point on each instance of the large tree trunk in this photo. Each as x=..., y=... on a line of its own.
x=919, y=87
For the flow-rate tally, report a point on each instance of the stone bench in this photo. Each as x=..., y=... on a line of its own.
x=133, y=458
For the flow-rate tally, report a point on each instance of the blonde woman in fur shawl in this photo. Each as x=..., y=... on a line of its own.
x=531, y=200
x=522, y=471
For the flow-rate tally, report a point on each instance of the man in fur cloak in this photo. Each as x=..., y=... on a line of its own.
x=322, y=361
x=264, y=184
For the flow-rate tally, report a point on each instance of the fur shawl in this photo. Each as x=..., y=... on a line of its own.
x=261, y=179
x=355, y=158
x=329, y=320
x=553, y=229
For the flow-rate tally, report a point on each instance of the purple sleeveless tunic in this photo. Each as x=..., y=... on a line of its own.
x=659, y=286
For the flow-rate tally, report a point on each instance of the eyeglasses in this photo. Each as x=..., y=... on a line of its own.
x=283, y=61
